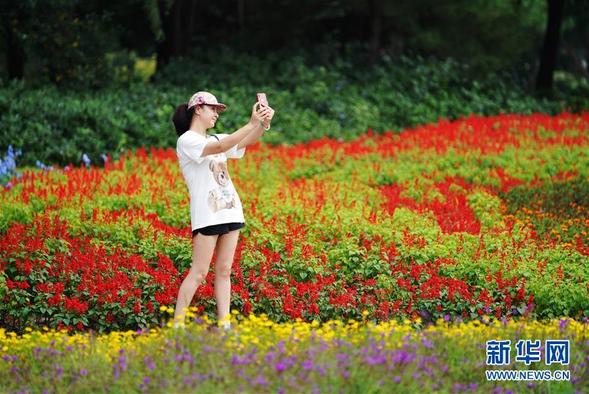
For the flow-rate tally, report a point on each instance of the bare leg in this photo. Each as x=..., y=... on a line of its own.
x=202, y=252
x=225, y=254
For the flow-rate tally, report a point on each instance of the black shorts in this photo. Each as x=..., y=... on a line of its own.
x=218, y=229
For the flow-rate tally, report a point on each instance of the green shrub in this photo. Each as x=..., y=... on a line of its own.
x=341, y=100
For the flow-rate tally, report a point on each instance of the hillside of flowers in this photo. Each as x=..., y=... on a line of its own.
x=483, y=217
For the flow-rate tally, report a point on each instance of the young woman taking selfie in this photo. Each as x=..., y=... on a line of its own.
x=216, y=213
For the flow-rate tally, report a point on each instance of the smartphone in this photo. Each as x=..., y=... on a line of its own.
x=262, y=99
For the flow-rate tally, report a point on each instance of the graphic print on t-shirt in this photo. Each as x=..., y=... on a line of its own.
x=221, y=197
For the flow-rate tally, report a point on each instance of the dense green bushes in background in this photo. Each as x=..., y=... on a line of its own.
x=340, y=101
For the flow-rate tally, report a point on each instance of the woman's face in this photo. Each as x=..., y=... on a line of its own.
x=208, y=115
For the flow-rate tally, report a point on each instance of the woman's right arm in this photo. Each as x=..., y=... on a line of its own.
x=255, y=124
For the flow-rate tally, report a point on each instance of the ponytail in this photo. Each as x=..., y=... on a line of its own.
x=182, y=118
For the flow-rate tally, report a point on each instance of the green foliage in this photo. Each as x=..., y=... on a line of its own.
x=339, y=101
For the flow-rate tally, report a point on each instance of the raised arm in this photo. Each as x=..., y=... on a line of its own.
x=257, y=133
x=252, y=127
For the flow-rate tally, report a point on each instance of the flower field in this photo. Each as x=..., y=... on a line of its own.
x=479, y=226
x=263, y=356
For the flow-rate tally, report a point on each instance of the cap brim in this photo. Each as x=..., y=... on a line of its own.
x=222, y=107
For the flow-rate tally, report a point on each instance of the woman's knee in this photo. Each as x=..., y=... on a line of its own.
x=197, y=276
x=223, y=270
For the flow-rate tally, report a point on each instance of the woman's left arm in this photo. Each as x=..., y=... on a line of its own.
x=252, y=137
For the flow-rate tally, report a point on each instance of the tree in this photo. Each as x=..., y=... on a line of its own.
x=549, y=51
x=14, y=15
x=177, y=22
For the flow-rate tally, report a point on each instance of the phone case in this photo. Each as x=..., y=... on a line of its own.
x=262, y=98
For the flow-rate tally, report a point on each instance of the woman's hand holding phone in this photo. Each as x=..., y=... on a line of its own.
x=259, y=115
x=263, y=102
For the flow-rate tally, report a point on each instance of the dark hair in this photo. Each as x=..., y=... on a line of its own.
x=182, y=118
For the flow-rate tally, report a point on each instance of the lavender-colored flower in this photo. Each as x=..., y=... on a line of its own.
x=6, y=358
x=260, y=380
x=83, y=372
x=58, y=370
x=149, y=363
x=473, y=386
x=376, y=359
x=146, y=380
x=86, y=159
x=307, y=365
x=446, y=318
x=342, y=357
x=427, y=343
x=563, y=323
x=321, y=370
x=270, y=356
x=123, y=363
x=280, y=366
x=345, y=374
x=402, y=357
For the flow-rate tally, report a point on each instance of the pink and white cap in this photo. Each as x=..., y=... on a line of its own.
x=201, y=98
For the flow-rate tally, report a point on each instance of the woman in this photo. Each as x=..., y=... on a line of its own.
x=216, y=213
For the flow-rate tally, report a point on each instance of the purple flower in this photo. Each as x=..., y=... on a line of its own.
x=86, y=159
x=59, y=370
x=427, y=343
x=280, y=346
x=149, y=363
x=269, y=357
x=376, y=359
x=341, y=357
x=307, y=365
x=563, y=324
x=473, y=386
x=280, y=366
x=321, y=370
x=402, y=357
x=345, y=374
x=260, y=380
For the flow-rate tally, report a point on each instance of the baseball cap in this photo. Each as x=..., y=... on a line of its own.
x=200, y=98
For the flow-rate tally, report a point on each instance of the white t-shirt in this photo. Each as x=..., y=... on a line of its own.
x=213, y=198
